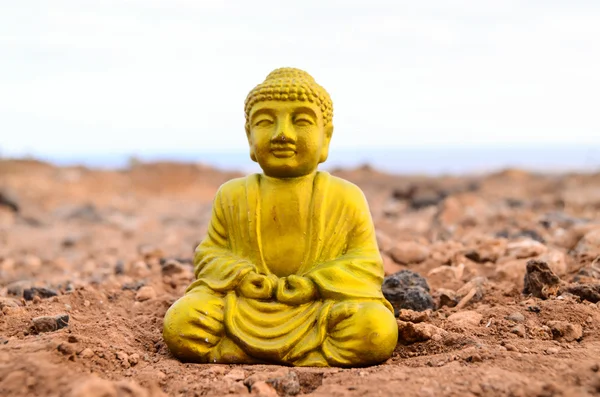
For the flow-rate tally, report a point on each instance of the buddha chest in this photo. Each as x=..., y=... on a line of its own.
x=284, y=226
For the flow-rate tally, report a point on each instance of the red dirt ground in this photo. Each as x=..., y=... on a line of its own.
x=116, y=246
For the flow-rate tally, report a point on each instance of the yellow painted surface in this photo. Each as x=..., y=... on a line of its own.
x=289, y=272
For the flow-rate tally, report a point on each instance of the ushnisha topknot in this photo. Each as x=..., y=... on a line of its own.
x=290, y=84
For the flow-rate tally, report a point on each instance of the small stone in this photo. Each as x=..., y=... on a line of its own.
x=145, y=293
x=540, y=281
x=288, y=385
x=421, y=332
x=86, y=303
x=407, y=290
x=589, y=245
x=446, y=297
x=519, y=330
x=120, y=267
x=30, y=293
x=133, y=359
x=236, y=374
x=488, y=250
x=563, y=330
x=552, y=350
x=510, y=348
x=16, y=288
x=408, y=252
x=525, y=249
x=588, y=292
x=49, y=323
x=66, y=349
x=86, y=353
x=466, y=318
x=124, y=358
x=516, y=317
x=9, y=302
x=263, y=389
x=238, y=388
x=171, y=267
x=412, y=316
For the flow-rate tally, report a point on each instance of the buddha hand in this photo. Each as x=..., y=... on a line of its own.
x=257, y=286
x=296, y=290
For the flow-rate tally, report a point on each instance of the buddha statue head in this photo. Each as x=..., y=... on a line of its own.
x=288, y=123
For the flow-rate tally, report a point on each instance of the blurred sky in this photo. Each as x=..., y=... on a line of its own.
x=143, y=76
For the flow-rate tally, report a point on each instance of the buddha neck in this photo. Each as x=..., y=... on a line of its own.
x=289, y=182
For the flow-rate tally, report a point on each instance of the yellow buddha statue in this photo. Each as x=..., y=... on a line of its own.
x=290, y=272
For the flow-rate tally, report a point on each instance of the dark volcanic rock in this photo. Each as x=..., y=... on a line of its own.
x=540, y=281
x=407, y=290
x=588, y=292
x=43, y=293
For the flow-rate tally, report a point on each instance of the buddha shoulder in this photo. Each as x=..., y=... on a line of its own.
x=233, y=188
x=347, y=192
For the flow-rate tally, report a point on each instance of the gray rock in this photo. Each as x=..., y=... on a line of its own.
x=407, y=290
x=50, y=323
x=42, y=292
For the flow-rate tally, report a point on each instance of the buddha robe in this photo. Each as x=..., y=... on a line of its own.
x=350, y=323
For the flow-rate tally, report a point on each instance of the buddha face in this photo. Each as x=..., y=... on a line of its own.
x=288, y=139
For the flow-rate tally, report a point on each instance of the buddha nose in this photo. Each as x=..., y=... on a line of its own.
x=285, y=134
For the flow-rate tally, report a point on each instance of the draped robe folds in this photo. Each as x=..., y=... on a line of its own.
x=341, y=258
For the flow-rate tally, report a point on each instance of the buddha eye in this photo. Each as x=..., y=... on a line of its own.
x=263, y=122
x=303, y=120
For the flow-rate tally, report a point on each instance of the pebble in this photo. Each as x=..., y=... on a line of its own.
x=263, y=389
x=236, y=374
x=466, y=318
x=86, y=353
x=510, y=347
x=519, y=330
x=407, y=290
x=50, y=323
x=552, y=350
x=563, y=330
x=446, y=297
x=540, y=281
x=145, y=293
x=408, y=252
x=589, y=245
x=133, y=359
x=525, y=249
x=66, y=349
x=411, y=333
x=413, y=316
x=40, y=292
x=516, y=317
x=238, y=388
x=9, y=302
x=288, y=385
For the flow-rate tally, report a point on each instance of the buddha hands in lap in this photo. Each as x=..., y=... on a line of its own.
x=290, y=272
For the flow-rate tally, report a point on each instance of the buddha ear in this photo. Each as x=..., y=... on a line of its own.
x=252, y=154
x=326, y=140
